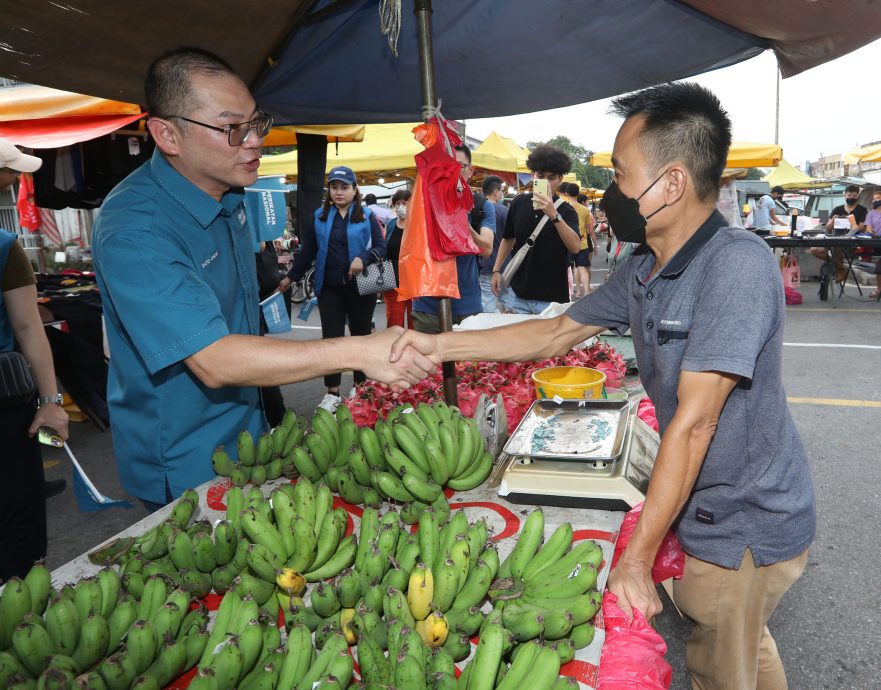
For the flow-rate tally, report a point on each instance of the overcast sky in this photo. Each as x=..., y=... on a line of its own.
x=818, y=114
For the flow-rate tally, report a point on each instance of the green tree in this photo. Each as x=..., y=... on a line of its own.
x=588, y=175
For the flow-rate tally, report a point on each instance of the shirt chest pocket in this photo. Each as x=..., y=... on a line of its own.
x=671, y=337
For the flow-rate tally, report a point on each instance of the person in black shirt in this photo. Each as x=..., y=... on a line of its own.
x=850, y=207
x=542, y=277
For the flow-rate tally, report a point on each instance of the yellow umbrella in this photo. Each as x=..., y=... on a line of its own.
x=788, y=177
x=867, y=154
x=742, y=154
x=386, y=150
x=500, y=153
x=286, y=135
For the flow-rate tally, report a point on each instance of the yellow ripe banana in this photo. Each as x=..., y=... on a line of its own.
x=420, y=592
x=434, y=629
x=346, y=618
x=290, y=581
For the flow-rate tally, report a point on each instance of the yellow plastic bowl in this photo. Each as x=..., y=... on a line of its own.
x=568, y=382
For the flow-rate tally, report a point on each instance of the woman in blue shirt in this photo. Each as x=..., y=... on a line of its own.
x=344, y=238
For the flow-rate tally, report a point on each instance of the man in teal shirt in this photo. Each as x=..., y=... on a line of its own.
x=175, y=263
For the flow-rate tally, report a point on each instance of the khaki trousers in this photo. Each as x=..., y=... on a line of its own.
x=730, y=647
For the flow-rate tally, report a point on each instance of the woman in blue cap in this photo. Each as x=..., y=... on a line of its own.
x=344, y=237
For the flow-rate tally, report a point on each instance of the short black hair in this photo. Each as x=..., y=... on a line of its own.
x=490, y=184
x=573, y=189
x=464, y=149
x=777, y=190
x=549, y=159
x=581, y=198
x=852, y=188
x=683, y=122
x=370, y=199
x=167, y=88
x=401, y=195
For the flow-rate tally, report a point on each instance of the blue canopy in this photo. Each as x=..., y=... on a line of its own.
x=491, y=58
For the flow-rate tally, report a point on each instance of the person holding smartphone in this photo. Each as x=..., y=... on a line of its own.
x=23, y=492
x=542, y=277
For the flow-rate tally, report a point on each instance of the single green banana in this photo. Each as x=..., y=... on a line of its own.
x=247, y=453
x=221, y=462
x=446, y=585
x=412, y=446
x=33, y=647
x=424, y=490
x=464, y=621
x=62, y=625
x=428, y=536
x=305, y=545
x=39, y=584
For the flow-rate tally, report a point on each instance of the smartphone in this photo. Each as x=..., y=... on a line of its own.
x=49, y=437
x=541, y=187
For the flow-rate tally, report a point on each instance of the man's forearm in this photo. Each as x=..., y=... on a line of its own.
x=516, y=343
x=35, y=348
x=484, y=243
x=247, y=360
x=504, y=249
x=570, y=237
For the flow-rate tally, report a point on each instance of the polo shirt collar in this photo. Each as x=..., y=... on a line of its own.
x=693, y=245
x=197, y=203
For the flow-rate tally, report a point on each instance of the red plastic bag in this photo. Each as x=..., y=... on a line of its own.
x=445, y=195
x=670, y=559
x=420, y=275
x=633, y=653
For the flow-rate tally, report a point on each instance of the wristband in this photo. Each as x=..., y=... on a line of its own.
x=496, y=271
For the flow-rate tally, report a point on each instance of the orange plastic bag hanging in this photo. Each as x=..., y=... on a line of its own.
x=419, y=274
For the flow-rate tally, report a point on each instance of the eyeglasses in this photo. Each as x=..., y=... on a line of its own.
x=238, y=133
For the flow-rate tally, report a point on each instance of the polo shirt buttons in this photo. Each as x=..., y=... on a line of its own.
x=650, y=295
x=650, y=325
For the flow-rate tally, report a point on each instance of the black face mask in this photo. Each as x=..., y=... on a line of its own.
x=623, y=214
x=850, y=201
x=876, y=203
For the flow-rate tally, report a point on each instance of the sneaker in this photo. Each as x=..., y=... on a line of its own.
x=330, y=402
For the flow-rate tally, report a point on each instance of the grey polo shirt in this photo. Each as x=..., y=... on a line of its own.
x=718, y=306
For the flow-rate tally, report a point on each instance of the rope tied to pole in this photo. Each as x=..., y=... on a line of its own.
x=390, y=22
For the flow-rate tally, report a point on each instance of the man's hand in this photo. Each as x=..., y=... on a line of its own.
x=54, y=417
x=632, y=583
x=421, y=342
x=284, y=284
x=356, y=268
x=396, y=365
x=546, y=204
x=497, y=284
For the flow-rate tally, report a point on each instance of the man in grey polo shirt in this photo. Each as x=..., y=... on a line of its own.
x=704, y=303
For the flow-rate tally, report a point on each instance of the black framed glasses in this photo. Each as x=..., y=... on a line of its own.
x=237, y=133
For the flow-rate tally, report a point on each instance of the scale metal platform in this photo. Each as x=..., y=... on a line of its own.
x=617, y=483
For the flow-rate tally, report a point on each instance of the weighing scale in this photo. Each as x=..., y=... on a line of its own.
x=577, y=478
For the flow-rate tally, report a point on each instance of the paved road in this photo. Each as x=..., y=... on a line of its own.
x=828, y=626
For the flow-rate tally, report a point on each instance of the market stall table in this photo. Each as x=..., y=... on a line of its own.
x=848, y=245
x=504, y=519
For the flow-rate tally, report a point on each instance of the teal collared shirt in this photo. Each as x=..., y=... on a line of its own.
x=176, y=272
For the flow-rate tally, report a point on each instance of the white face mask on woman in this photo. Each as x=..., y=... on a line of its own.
x=401, y=211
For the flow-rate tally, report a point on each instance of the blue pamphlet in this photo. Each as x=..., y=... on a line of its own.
x=277, y=318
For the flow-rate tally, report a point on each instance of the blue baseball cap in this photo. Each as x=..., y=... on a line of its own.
x=343, y=174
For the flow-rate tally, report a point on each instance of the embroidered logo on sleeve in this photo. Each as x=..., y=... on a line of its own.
x=705, y=516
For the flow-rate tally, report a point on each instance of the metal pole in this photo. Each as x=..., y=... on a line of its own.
x=777, y=113
x=423, y=11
